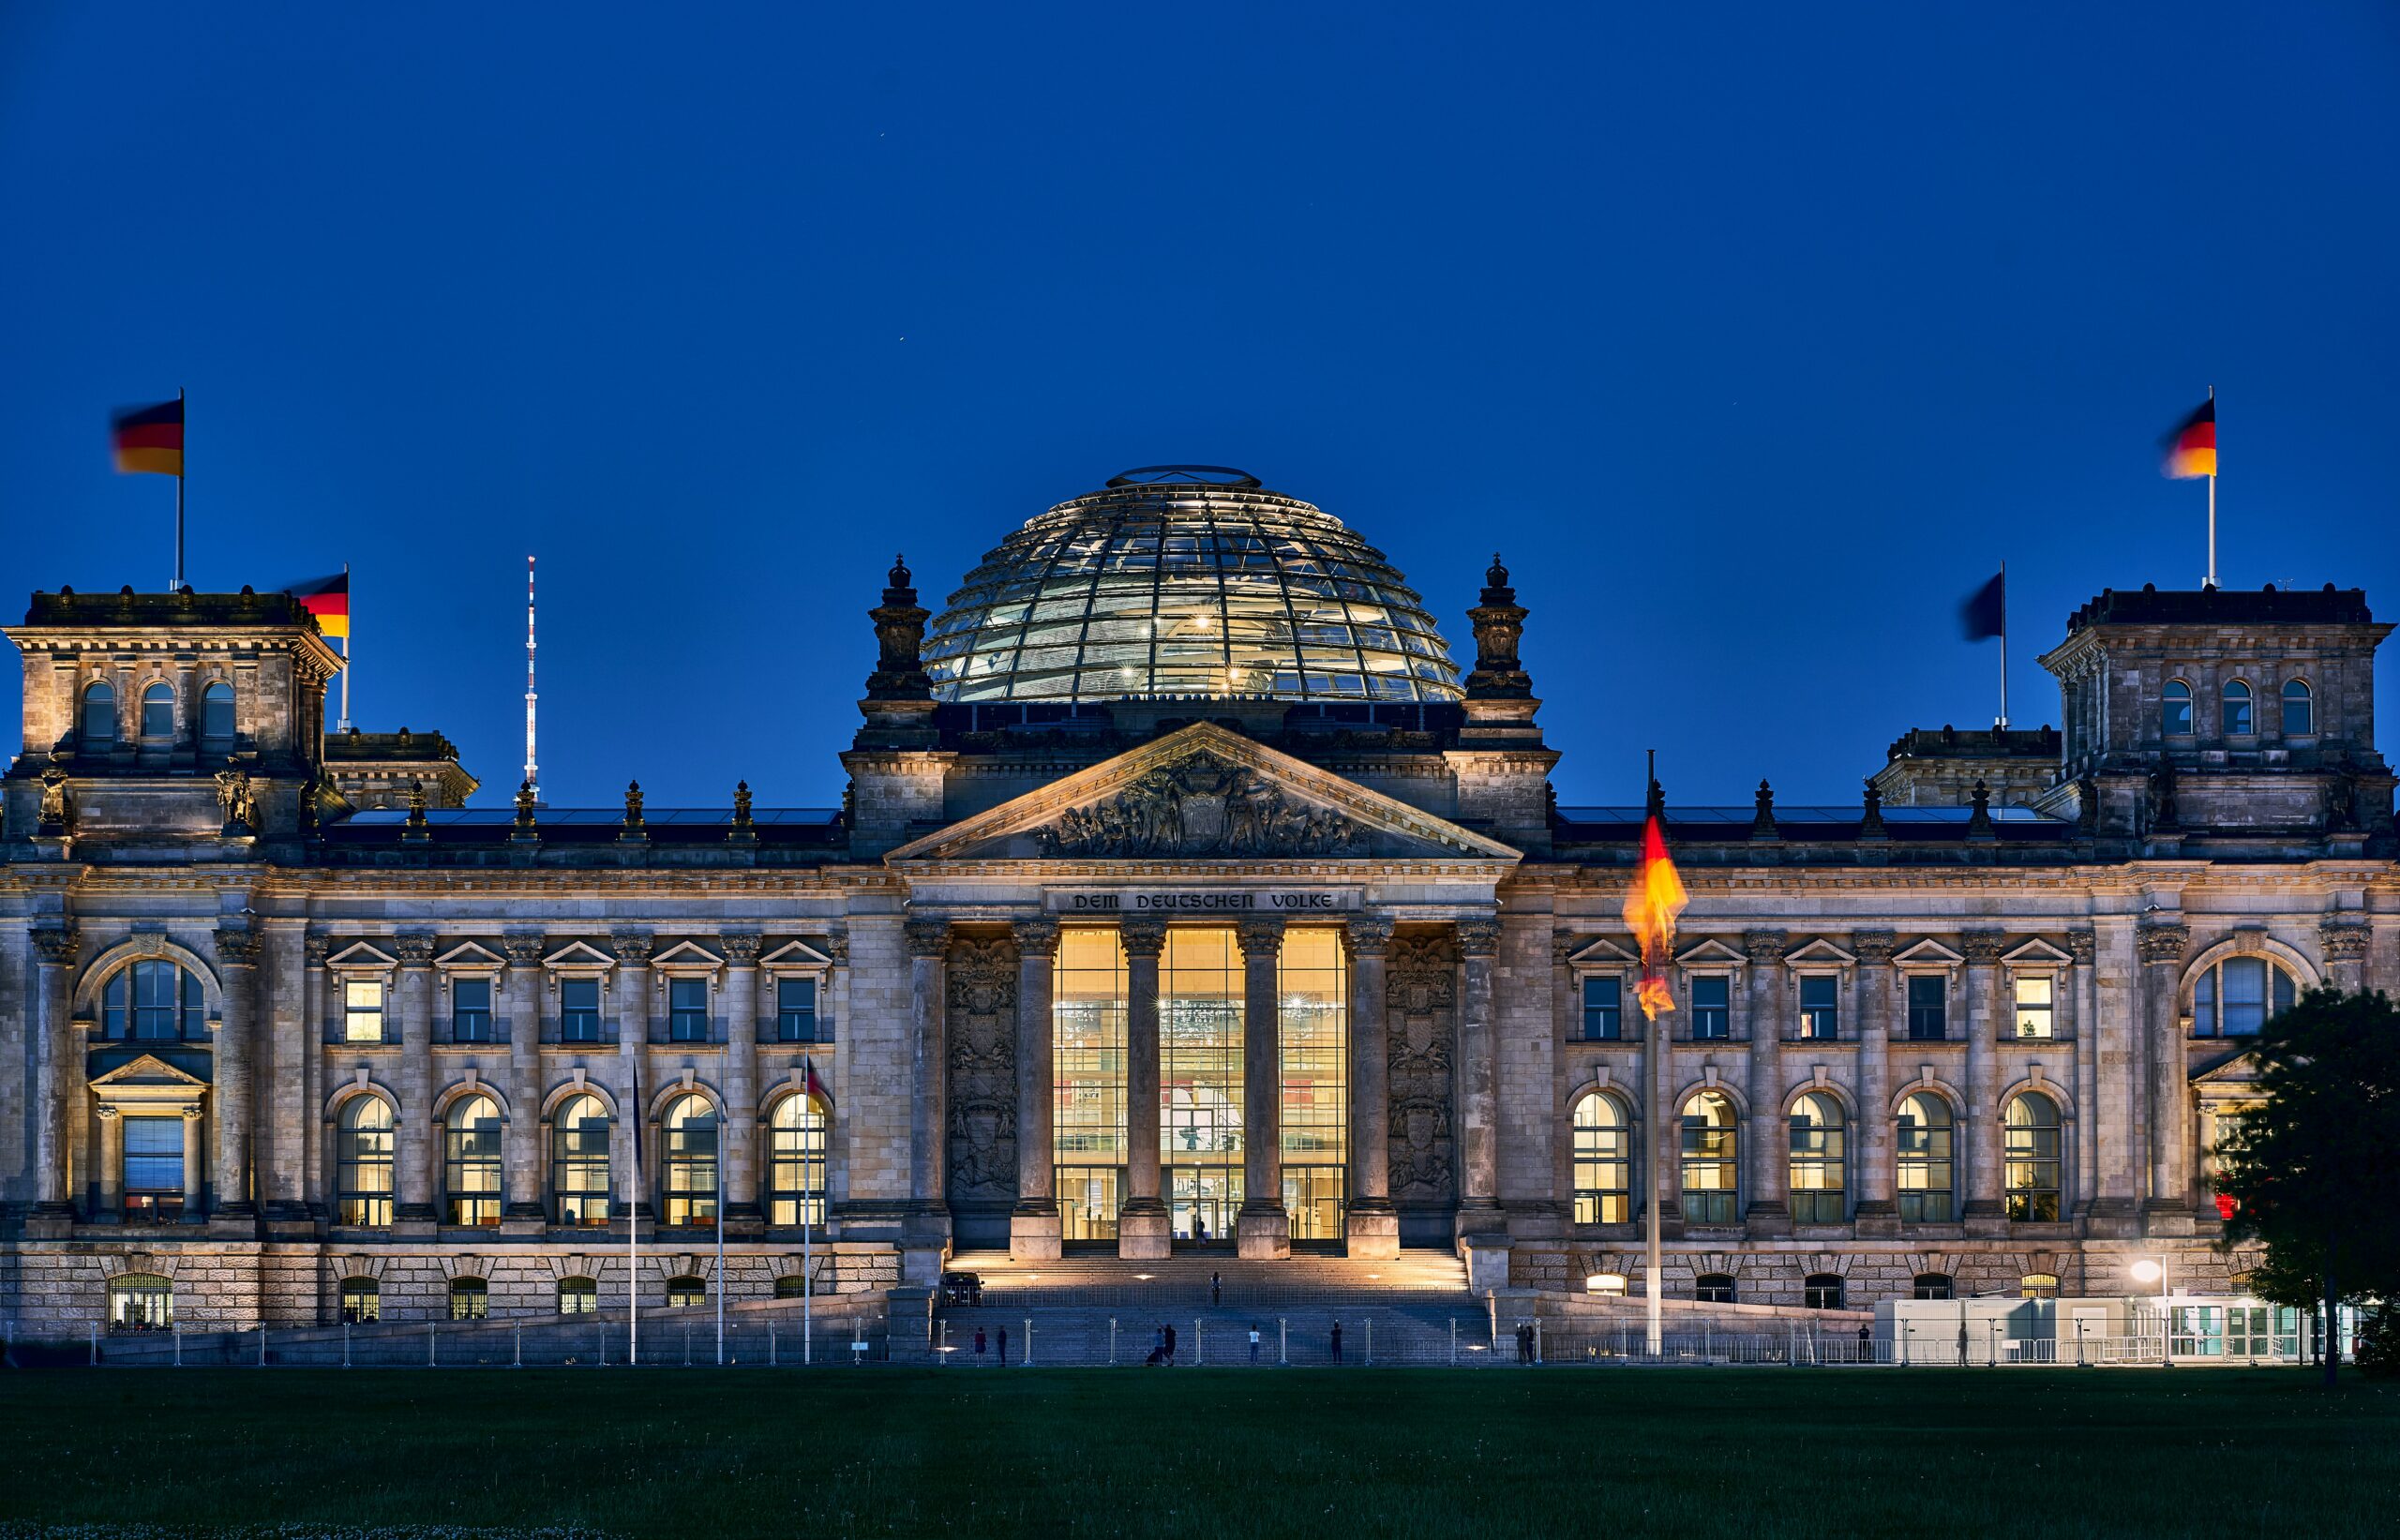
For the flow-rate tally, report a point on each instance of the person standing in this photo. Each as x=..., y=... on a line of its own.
x=1337, y=1341
x=978, y=1347
x=1004, y=1347
x=1170, y=1346
x=1216, y=1289
x=1253, y=1341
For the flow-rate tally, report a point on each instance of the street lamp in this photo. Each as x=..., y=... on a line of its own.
x=2146, y=1271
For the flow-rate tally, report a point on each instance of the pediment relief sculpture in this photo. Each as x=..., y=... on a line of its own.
x=1201, y=806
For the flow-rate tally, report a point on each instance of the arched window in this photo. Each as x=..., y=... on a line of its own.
x=1821, y=1292
x=2031, y=1160
x=1603, y=1170
x=796, y=1164
x=141, y=1301
x=471, y=1161
x=1713, y=1288
x=1932, y=1286
x=691, y=1161
x=217, y=718
x=2236, y=998
x=579, y=1296
x=97, y=730
x=1711, y=1153
x=159, y=711
x=362, y=1300
x=2038, y=1286
x=579, y=1162
x=469, y=1299
x=1817, y=1160
x=363, y=1161
x=686, y=1293
x=792, y=1286
x=1924, y=1182
x=153, y=1001
x=2176, y=709
x=2300, y=710
x=2236, y=708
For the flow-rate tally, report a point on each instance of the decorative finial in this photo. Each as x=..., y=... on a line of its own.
x=633, y=804
x=1496, y=575
x=1870, y=823
x=742, y=804
x=1762, y=821
x=525, y=804
x=1979, y=820
x=415, y=828
x=900, y=573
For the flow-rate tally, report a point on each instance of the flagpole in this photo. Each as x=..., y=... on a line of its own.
x=2003, y=645
x=2212, y=500
x=348, y=635
x=1657, y=1042
x=182, y=459
x=720, y=1245
x=632, y=1226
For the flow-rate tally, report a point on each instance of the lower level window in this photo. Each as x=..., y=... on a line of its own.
x=792, y=1286
x=685, y=1293
x=579, y=1296
x=1821, y=1292
x=362, y=1300
x=2038, y=1286
x=1713, y=1288
x=1931, y=1286
x=469, y=1299
x=141, y=1301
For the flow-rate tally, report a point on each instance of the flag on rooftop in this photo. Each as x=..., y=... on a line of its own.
x=1650, y=910
x=1984, y=614
x=327, y=599
x=150, y=439
x=2191, y=449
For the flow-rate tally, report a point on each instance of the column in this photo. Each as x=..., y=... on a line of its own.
x=2343, y=942
x=237, y=952
x=521, y=1169
x=1662, y=1118
x=1768, y=1135
x=2167, y=1210
x=1371, y=1226
x=112, y=1164
x=2075, y=1002
x=193, y=1169
x=629, y=995
x=1980, y=1130
x=1142, y=1232
x=1876, y=1212
x=1478, y=1085
x=741, y=1080
x=1263, y=1229
x=929, y=1003
x=282, y=1019
x=413, y=1136
x=1034, y=1225
x=54, y=950
x=313, y=1020
x=2114, y=1024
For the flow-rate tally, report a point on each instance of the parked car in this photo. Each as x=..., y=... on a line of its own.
x=962, y=1288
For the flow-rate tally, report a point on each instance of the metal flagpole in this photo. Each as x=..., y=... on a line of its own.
x=2212, y=498
x=1651, y=1268
x=633, y=1229
x=349, y=638
x=2004, y=643
x=720, y=1243
x=184, y=460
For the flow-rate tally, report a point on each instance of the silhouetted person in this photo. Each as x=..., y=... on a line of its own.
x=1337, y=1341
x=1170, y=1346
x=1004, y=1347
x=1216, y=1287
x=1253, y=1341
x=978, y=1344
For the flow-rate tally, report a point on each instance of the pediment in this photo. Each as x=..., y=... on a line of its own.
x=2036, y=953
x=1929, y=954
x=796, y=957
x=1711, y=953
x=1820, y=953
x=579, y=957
x=1204, y=793
x=361, y=956
x=469, y=957
x=1602, y=954
x=146, y=1070
x=2241, y=1071
x=687, y=957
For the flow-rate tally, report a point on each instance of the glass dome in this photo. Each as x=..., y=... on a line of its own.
x=1186, y=580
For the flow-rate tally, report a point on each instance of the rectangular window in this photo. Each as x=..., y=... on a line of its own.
x=153, y=1167
x=1820, y=1008
x=1929, y=1008
x=1088, y=1119
x=471, y=1011
x=1603, y=1010
x=362, y=1004
x=1712, y=1009
x=2034, y=1007
x=1313, y=986
x=795, y=1010
x=687, y=1010
x=578, y=1011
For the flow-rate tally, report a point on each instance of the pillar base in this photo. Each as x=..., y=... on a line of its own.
x=1984, y=1220
x=1142, y=1230
x=1034, y=1232
x=1767, y=1220
x=1487, y=1262
x=1877, y=1218
x=2112, y=1218
x=2166, y=1216
x=1371, y=1234
x=1264, y=1234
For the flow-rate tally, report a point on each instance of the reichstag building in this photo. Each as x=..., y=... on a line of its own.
x=1188, y=893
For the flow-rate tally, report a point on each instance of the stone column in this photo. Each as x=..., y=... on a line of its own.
x=112, y=1164
x=1479, y=1216
x=1371, y=1225
x=1766, y=1133
x=54, y=950
x=521, y=1171
x=929, y=1003
x=1033, y=1224
x=741, y=1210
x=629, y=994
x=1142, y=1228
x=1662, y=1119
x=418, y=1151
x=283, y=1061
x=2343, y=942
x=313, y=1019
x=2073, y=995
x=237, y=950
x=1263, y=1229
x=1876, y=1212
x=2167, y=1210
x=194, y=1169
x=1980, y=1130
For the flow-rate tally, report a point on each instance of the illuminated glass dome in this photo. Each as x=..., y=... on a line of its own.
x=1186, y=580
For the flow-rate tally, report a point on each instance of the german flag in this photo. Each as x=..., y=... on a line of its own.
x=2191, y=449
x=328, y=600
x=150, y=439
x=1650, y=910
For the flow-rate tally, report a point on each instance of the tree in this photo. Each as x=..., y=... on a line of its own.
x=2312, y=1173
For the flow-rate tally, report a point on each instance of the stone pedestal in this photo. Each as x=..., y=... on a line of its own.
x=1371, y=1234
x=1142, y=1230
x=2165, y=1216
x=1487, y=1264
x=1264, y=1233
x=1034, y=1232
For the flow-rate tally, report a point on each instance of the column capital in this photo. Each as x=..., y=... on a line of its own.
x=1480, y=938
x=55, y=946
x=1037, y=937
x=413, y=951
x=1259, y=936
x=191, y=1112
x=2162, y=943
x=1983, y=947
x=927, y=937
x=1368, y=935
x=741, y=949
x=1874, y=948
x=633, y=949
x=239, y=949
x=107, y=1112
x=1762, y=946
x=2343, y=940
x=316, y=950
x=522, y=951
x=1142, y=938
x=2083, y=947
x=837, y=946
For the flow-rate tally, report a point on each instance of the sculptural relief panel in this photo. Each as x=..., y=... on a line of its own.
x=981, y=1134
x=1420, y=1003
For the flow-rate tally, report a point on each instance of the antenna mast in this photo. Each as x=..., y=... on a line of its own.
x=533, y=770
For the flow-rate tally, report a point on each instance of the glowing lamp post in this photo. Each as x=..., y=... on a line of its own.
x=2145, y=1271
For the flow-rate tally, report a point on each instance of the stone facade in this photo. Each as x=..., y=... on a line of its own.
x=359, y=1043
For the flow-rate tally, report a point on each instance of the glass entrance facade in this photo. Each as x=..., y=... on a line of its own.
x=1087, y=1081
x=1313, y=986
x=1200, y=1081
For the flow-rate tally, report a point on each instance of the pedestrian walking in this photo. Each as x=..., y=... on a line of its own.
x=1865, y=1341
x=1253, y=1341
x=979, y=1345
x=1337, y=1341
x=1004, y=1347
x=1170, y=1346
x=1216, y=1289
x=1524, y=1343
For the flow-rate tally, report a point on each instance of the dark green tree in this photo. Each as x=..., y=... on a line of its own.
x=2315, y=1172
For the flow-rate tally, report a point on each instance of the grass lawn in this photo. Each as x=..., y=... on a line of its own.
x=701, y=1455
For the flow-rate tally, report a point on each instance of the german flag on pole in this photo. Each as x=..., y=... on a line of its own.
x=1650, y=910
x=150, y=439
x=2191, y=449
x=328, y=600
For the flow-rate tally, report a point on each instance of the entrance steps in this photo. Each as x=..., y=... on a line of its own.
x=1181, y=1282
x=1384, y=1333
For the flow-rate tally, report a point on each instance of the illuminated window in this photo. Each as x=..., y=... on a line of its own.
x=1087, y=1086
x=1714, y=1289
x=471, y=1161
x=1928, y=1007
x=2034, y=1005
x=2236, y=998
x=1931, y=1286
x=1821, y=1292
x=795, y=1010
x=1603, y=1010
x=158, y=712
x=579, y=1162
x=97, y=732
x=1712, y=1010
x=686, y=1293
x=1817, y=1160
x=796, y=1164
x=2176, y=709
x=154, y=1168
x=1711, y=1151
x=1924, y=1157
x=1603, y=1162
x=217, y=718
x=141, y=1301
x=2300, y=711
x=792, y=1286
x=363, y=1162
x=691, y=1161
x=362, y=1301
x=687, y=1010
x=2236, y=708
x=469, y=1299
x=2038, y=1286
x=579, y=1296
x=153, y=1001
x=1820, y=1009
x=2031, y=1160
x=471, y=1011
x=1201, y=1081
x=1312, y=983
x=362, y=1010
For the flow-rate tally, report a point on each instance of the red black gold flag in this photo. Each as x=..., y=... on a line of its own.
x=1650, y=910
x=150, y=439
x=2191, y=449
x=328, y=600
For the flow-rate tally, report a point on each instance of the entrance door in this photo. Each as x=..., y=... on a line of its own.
x=1202, y=1203
x=1313, y=1197
x=1087, y=1199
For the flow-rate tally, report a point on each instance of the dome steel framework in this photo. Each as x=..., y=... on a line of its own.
x=1186, y=580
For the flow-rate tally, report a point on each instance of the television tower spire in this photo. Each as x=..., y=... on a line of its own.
x=532, y=769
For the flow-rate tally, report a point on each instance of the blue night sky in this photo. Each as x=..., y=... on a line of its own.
x=1753, y=341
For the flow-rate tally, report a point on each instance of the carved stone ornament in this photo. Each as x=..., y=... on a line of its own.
x=981, y=1132
x=1200, y=806
x=316, y=950
x=414, y=952
x=927, y=937
x=741, y=948
x=1421, y=992
x=1037, y=937
x=55, y=946
x=235, y=800
x=522, y=951
x=1422, y=976
x=1143, y=937
x=57, y=809
x=238, y=949
x=632, y=948
x=2083, y=947
x=1259, y=936
x=742, y=804
x=1983, y=947
x=983, y=976
x=1480, y=938
x=837, y=946
x=1874, y=948
x=1369, y=935
x=2343, y=940
x=2162, y=943
x=1762, y=946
